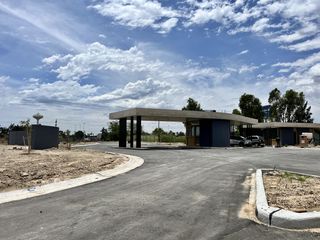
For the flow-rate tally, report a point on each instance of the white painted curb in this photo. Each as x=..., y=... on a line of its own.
x=15, y=195
x=84, y=145
x=280, y=217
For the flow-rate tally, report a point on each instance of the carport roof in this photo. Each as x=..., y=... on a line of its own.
x=286, y=125
x=170, y=115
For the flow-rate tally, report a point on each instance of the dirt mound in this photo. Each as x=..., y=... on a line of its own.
x=20, y=170
x=291, y=191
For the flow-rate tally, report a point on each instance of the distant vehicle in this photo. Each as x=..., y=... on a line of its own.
x=256, y=140
x=237, y=141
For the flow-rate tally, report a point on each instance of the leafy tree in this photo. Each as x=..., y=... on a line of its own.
x=3, y=131
x=79, y=135
x=251, y=106
x=236, y=111
x=192, y=105
x=180, y=134
x=291, y=107
x=104, y=134
x=158, y=132
x=16, y=127
x=113, y=130
x=276, y=105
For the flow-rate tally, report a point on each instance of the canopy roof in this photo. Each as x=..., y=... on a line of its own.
x=286, y=125
x=169, y=115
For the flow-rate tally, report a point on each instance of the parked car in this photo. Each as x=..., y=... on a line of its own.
x=256, y=140
x=237, y=141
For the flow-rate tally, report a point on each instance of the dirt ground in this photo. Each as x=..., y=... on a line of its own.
x=20, y=170
x=293, y=192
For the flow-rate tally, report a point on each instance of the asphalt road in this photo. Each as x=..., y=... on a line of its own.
x=176, y=194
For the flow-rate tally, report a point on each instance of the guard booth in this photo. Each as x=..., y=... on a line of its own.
x=288, y=132
x=203, y=128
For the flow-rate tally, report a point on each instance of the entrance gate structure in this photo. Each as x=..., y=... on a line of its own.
x=203, y=128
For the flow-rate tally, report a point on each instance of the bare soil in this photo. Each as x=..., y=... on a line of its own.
x=20, y=170
x=294, y=192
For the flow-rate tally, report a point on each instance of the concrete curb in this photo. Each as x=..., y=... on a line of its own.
x=84, y=145
x=280, y=217
x=15, y=195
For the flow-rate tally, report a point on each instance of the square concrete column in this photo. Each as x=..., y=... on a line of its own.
x=123, y=132
x=138, y=133
x=131, y=132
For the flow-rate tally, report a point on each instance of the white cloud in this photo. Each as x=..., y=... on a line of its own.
x=279, y=21
x=161, y=79
x=306, y=30
x=301, y=63
x=58, y=92
x=99, y=57
x=56, y=58
x=306, y=45
x=314, y=71
x=3, y=79
x=246, y=68
x=243, y=52
x=54, y=25
x=141, y=93
x=139, y=13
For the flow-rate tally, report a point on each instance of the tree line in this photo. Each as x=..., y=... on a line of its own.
x=288, y=107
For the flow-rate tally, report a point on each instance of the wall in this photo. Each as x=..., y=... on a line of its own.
x=221, y=133
x=214, y=133
x=16, y=138
x=206, y=133
x=43, y=137
x=287, y=136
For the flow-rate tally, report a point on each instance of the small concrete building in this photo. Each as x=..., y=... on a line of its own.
x=42, y=137
x=203, y=128
x=289, y=133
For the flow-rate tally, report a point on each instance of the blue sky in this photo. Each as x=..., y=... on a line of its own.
x=77, y=61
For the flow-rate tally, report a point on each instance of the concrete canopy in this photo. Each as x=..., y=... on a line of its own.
x=286, y=125
x=169, y=115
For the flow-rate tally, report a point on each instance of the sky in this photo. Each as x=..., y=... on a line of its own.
x=78, y=60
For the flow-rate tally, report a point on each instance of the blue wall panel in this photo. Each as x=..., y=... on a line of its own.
x=214, y=133
x=287, y=136
x=221, y=133
x=206, y=132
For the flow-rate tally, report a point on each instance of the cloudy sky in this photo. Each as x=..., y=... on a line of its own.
x=77, y=61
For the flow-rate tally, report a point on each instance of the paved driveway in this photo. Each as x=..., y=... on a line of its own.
x=176, y=194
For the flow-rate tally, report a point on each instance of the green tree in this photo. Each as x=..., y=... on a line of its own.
x=113, y=130
x=104, y=134
x=236, y=111
x=251, y=106
x=180, y=134
x=79, y=135
x=158, y=132
x=3, y=132
x=192, y=105
x=276, y=103
x=290, y=107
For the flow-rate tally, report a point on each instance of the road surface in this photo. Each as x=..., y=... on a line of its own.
x=176, y=194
